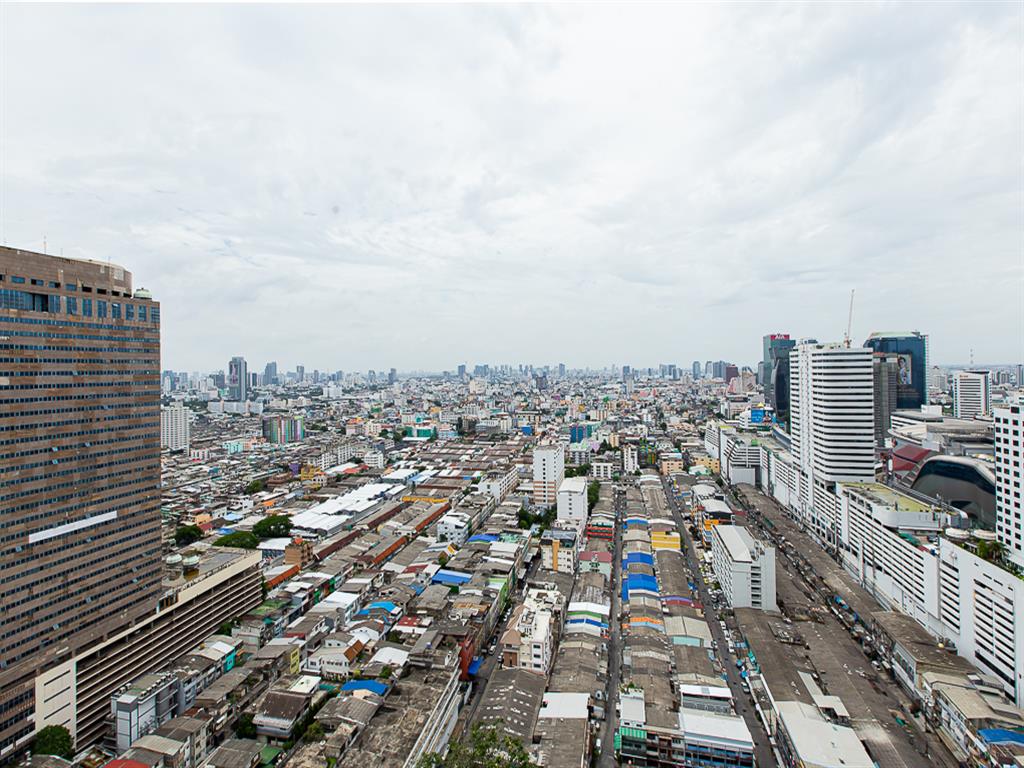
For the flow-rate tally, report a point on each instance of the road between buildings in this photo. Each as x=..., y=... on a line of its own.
x=763, y=753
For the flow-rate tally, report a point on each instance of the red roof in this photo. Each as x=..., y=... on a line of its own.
x=906, y=457
x=601, y=557
x=124, y=763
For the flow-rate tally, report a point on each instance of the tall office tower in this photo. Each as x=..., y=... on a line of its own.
x=775, y=346
x=238, y=379
x=939, y=381
x=730, y=372
x=561, y=370
x=462, y=370
x=174, y=427
x=392, y=376
x=548, y=473
x=912, y=348
x=832, y=425
x=709, y=369
x=80, y=519
x=697, y=369
x=1018, y=376
x=972, y=394
x=718, y=369
x=270, y=374
x=300, y=373
x=885, y=373
x=1009, y=423
x=626, y=371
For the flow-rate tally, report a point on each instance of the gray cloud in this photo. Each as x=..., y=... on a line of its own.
x=367, y=186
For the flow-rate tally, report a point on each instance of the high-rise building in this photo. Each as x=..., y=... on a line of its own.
x=972, y=394
x=832, y=425
x=912, y=380
x=697, y=370
x=392, y=376
x=281, y=429
x=548, y=473
x=462, y=370
x=300, y=373
x=174, y=427
x=561, y=370
x=730, y=372
x=885, y=372
x=775, y=347
x=238, y=379
x=80, y=522
x=1009, y=423
x=270, y=374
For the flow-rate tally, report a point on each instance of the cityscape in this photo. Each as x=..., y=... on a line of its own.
x=491, y=386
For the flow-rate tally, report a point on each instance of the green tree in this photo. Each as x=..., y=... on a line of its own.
x=485, y=747
x=54, y=740
x=315, y=732
x=442, y=559
x=593, y=494
x=273, y=526
x=240, y=539
x=385, y=672
x=187, y=534
x=244, y=728
x=255, y=486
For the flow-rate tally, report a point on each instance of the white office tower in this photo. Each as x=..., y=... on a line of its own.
x=832, y=427
x=174, y=427
x=1009, y=423
x=972, y=394
x=548, y=473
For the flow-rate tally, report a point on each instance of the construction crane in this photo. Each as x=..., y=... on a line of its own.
x=849, y=321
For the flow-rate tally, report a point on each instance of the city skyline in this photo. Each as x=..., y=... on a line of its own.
x=511, y=170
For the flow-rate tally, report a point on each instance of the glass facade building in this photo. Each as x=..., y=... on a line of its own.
x=911, y=349
x=79, y=466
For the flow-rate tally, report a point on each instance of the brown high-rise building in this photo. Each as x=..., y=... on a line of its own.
x=79, y=467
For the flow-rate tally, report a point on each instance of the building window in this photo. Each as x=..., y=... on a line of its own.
x=129, y=311
x=72, y=304
x=115, y=310
x=101, y=308
x=19, y=280
x=86, y=307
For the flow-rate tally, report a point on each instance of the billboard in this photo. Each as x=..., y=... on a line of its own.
x=757, y=416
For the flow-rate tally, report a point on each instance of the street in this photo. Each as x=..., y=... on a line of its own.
x=608, y=728
x=763, y=751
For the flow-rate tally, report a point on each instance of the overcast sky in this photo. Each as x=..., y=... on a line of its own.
x=366, y=187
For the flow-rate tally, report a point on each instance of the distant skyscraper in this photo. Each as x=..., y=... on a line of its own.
x=730, y=372
x=392, y=376
x=238, y=379
x=912, y=380
x=1009, y=423
x=80, y=549
x=270, y=374
x=972, y=394
x=697, y=370
x=718, y=369
x=561, y=370
x=300, y=373
x=775, y=346
x=709, y=369
x=832, y=425
x=462, y=370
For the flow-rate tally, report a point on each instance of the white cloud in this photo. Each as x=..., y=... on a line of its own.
x=368, y=186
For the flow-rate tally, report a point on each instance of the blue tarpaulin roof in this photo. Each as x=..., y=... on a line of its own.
x=475, y=664
x=484, y=537
x=592, y=622
x=374, y=686
x=444, y=576
x=1001, y=736
x=642, y=581
x=639, y=557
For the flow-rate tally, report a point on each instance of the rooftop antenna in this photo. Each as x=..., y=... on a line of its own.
x=849, y=321
x=44, y=243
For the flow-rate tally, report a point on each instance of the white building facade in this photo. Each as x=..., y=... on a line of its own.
x=548, y=473
x=572, y=499
x=744, y=567
x=972, y=394
x=174, y=427
x=1009, y=423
